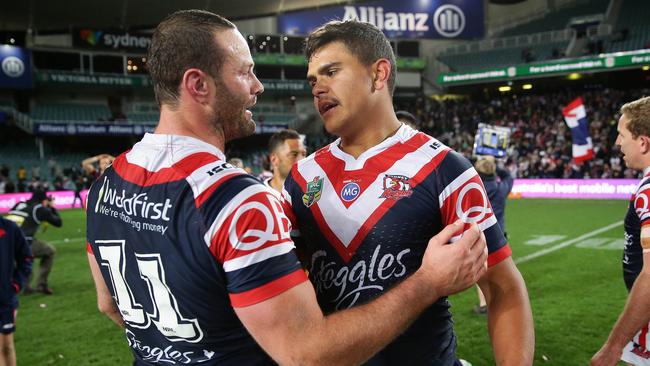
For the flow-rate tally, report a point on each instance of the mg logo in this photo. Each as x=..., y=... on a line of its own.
x=13, y=67
x=350, y=192
x=449, y=20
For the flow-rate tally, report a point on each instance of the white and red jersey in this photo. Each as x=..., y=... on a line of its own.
x=366, y=223
x=637, y=352
x=181, y=238
x=638, y=215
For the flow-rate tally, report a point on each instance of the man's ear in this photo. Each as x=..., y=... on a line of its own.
x=273, y=159
x=645, y=144
x=380, y=74
x=195, y=84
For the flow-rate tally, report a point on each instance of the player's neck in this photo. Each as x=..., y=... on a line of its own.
x=276, y=183
x=369, y=136
x=184, y=122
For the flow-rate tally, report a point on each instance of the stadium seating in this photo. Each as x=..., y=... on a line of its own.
x=632, y=31
x=501, y=57
x=559, y=19
x=70, y=112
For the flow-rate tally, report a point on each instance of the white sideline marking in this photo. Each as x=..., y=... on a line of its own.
x=70, y=240
x=567, y=243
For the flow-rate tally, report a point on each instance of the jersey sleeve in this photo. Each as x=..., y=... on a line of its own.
x=23, y=258
x=642, y=210
x=463, y=196
x=250, y=239
x=288, y=194
x=49, y=214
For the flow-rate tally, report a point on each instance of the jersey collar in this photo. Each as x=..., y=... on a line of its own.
x=181, y=141
x=403, y=134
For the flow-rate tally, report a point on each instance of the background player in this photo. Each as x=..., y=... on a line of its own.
x=29, y=216
x=15, y=268
x=622, y=343
x=497, y=191
x=285, y=149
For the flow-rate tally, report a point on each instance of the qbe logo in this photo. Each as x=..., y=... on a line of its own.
x=350, y=192
x=13, y=67
x=449, y=20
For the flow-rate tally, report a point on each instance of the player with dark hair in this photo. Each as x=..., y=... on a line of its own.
x=285, y=149
x=15, y=268
x=408, y=119
x=367, y=203
x=193, y=256
x=29, y=216
x=628, y=340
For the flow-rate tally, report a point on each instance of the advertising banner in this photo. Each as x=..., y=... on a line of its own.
x=15, y=67
x=574, y=188
x=122, y=129
x=604, y=62
x=435, y=19
x=63, y=77
x=91, y=129
x=110, y=39
x=62, y=199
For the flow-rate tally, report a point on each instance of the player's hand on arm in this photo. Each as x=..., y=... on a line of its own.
x=453, y=268
x=105, y=301
x=634, y=316
x=510, y=319
x=292, y=329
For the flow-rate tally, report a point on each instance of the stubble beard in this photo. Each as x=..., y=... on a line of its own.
x=229, y=115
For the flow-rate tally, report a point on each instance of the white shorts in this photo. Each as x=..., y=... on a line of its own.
x=636, y=352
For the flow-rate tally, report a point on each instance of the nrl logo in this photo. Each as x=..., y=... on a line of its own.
x=313, y=192
x=396, y=187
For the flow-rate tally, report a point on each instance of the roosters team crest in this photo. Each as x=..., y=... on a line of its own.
x=313, y=191
x=396, y=187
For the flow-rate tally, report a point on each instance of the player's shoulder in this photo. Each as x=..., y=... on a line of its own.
x=644, y=186
x=422, y=143
x=322, y=155
x=8, y=226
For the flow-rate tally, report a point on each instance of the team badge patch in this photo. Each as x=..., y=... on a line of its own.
x=313, y=192
x=396, y=187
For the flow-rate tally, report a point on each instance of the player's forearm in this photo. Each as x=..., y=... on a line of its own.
x=635, y=314
x=510, y=324
x=352, y=336
x=115, y=316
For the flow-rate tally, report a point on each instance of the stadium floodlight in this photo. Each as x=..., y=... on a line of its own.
x=574, y=76
x=527, y=86
x=645, y=68
x=505, y=88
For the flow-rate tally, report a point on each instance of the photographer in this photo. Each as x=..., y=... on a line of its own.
x=29, y=216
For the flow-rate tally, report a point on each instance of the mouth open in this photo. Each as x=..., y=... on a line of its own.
x=326, y=106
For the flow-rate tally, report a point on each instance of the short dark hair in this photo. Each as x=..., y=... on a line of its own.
x=363, y=40
x=184, y=40
x=404, y=115
x=280, y=137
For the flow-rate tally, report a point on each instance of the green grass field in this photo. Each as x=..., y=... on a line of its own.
x=575, y=285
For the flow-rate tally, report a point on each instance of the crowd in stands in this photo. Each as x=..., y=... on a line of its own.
x=540, y=144
x=72, y=178
x=540, y=141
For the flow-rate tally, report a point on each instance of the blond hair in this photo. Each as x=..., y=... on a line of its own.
x=638, y=115
x=486, y=165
